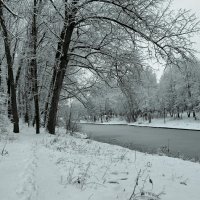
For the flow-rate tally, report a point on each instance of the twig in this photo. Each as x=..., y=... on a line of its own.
x=3, y=152
x=136, y=184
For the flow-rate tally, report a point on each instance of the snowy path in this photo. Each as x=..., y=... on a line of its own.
x=48, y=177
x=27, y=171
x=28, y=189
x=40, y=177
x=18, y=168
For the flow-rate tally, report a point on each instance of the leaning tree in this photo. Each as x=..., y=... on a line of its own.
x=96, y=34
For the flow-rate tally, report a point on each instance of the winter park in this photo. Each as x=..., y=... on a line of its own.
x=99, y=100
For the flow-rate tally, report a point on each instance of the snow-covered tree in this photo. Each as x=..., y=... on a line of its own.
x=179, y=88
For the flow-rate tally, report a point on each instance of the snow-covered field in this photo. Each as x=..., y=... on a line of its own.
x=46, y=167
x=184, y=123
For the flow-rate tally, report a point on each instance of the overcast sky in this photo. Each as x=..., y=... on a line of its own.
x=194, y=6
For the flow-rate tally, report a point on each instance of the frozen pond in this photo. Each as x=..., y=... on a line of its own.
x=181, y=143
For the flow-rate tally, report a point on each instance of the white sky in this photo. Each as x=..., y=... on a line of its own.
x=194, y=7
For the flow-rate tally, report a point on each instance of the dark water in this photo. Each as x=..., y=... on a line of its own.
x=173, y=142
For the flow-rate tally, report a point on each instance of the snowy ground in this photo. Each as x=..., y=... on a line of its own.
x=45, y=167
x=184, y=123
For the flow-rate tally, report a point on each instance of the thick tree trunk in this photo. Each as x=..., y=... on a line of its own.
x=9, y=99
x=26, y=116
x=33, y=65
x=51, y=124
x=0, y=73
x=10, y=72
x=46, y=107
x=58, y=55
x=69, y=25
x=36, y=95
x=19, y=72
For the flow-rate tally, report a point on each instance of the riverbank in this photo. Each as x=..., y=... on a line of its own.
x=48, y=167
x=183, y=123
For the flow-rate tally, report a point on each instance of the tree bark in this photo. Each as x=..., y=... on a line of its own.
x=51, y=124
x=33, y=65
x=58, y=55
x=10, y=72
x=9, y=109
x=0, y=73
x=64, y=59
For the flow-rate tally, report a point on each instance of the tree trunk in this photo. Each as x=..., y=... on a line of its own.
x=64, y=59
x=194, y=115
x=33, y=65
x=1, y=77
x=58, y=55
x=9, y=99
x=26, y=116
x=51, y=124
x=10, y=72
